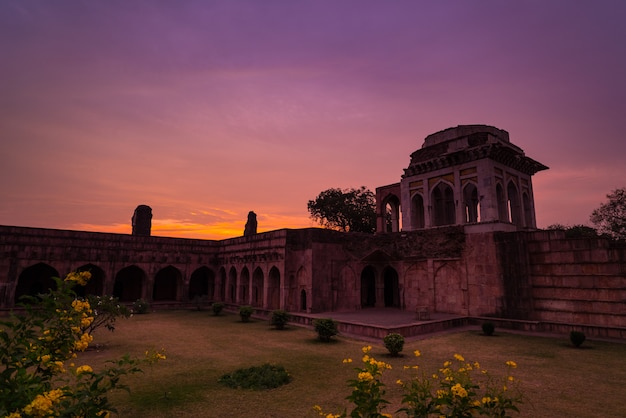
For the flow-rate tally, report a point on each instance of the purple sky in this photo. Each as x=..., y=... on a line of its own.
x=205, y=110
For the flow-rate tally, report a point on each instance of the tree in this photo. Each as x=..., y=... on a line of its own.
x=349, y=210
x=610, y=217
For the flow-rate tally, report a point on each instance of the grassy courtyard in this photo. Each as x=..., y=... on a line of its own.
x=557, y=380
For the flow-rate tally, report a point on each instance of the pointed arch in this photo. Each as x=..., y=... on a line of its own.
x=392, y=210
x=166, y=283
x=391, y=287
x=232, y=286
x=202, y=283
x=514, y=206
x=244, y=287
x=417, y=212
x=129, y=283
x=95, y=285
x=35, y=280
x=258, y=279
x=221, y=293
x=443, y=201
x=503, y=212
x=368, y=287
x=273, y=288
x=471, y=203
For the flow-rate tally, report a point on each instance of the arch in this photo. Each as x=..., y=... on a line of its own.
x=443, y=202
x=303, y=302
x=202, y=283
x=528, y=211
x=391, y=287
x=417, y=212
x=514, y=204
x=368, y=287
x=232, y=285
x=257, y=287
x=222, y=284
x=35, y=280
x=471, y=203
x=392, y=210
x=166, y=284
x=244, y=286
x=129, y=283
x=95, y=285
x=503, y=212
x=273, y=288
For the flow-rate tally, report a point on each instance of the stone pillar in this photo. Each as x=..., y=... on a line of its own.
x=142, y=221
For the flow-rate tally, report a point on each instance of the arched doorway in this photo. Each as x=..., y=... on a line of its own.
x=392, y=289
x=202, y=283
x=368, y=287
x=129, y=284
x=273, y=289
x=303, y=305
x=257, y=287
x=35, y=280
x=166, y=284
x=95, y=285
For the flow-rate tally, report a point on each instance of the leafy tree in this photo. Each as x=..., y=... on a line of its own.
x=348, y=210
x=575, y=231
x=610, y=217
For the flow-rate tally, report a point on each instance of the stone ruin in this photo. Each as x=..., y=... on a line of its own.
x=142, y=221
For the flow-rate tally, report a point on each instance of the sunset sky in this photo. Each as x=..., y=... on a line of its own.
x=205, y=110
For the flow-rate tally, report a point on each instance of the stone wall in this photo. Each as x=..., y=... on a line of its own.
x=564, y=280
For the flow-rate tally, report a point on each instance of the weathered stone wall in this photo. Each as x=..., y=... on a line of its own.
x=548, y=277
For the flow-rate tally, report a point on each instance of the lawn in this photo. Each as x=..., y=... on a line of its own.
x=557, y=379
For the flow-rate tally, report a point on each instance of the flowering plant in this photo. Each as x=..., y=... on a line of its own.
x=40, y=374
x=367, y=389
x=460, y=389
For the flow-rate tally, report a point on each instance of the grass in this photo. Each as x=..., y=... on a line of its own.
x=557, y=379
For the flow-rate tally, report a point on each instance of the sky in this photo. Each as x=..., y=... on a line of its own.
x=206, y=110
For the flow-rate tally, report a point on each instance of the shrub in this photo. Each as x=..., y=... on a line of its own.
x=245, y=312
x=279, y=318
x=488, y=328
x=217, y=308
x=40, y=353
x=325, y=328
x=459, y=389
x=106, y=310
x=394, y=343
x=577, y=338
x=266, y=376
x=141, y=306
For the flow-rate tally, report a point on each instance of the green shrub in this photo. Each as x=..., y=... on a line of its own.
x=217, y=307
x=245, y=312
x=266, y=376
x=106, y=310
x=325, y=328
x=279, y=318
x=141, y=306
x=577, y=338
x=394, y=342
x=488, y=328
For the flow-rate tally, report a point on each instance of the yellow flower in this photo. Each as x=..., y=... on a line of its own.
x=347, y=360
x=365, y=377
x=80, y=277
x=386, y=415
x=84, y=369
x=486, y=399
x=366, y=349
x=459, y=357
x=45, y=358
x=14, y=415
x=459, y=391
x=417, y=353
x=399, y=382
x=104, y=414
x=511, y=364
